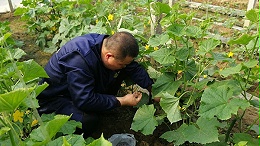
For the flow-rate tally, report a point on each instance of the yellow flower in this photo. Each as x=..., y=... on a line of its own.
x=144, y=26
x=110, y=17
x=230, y=54
x=34, y=122
x=27, y=112
x=179, y=71
x=112, y=32
x=146, y=47
x=178, y=94
x=53, y=28
x=96, y=21
x=220, y=69
x=205, y=76
x=155, y=48
x=18, y=116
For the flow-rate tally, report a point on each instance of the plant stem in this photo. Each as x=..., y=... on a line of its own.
x=230, y=128
x=240, y=120
x=251, y=57
x=11, y=137
x=10, y=132
x=251, y=125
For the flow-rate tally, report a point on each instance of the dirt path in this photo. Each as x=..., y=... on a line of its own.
x=19, y=32
x=235, y=4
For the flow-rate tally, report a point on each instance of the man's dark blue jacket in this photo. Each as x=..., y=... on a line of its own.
x=77, y=73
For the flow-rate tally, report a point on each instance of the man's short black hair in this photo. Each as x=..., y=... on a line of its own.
x=124, y=43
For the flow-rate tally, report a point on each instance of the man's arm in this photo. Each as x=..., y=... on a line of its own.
x=81, y=85
x=139, y=75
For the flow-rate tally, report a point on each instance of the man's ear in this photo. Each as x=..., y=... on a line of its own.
x=108, y=55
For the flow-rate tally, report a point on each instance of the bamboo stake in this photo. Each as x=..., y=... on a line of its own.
x=11, y=5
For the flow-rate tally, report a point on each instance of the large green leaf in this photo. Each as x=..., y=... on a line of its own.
x=31, y=70
x=203, y=131
x=207, y=45
x=250, y=63
x=32, y=102
x=182, y=54
x=231, y=70
x=176, y=29
x=65, y=26
x=40, y=88
x=234, y=85
x=160, y=8
x=250, y=46
x=10, y=54
x=11, y=100
x=144, y=120
x=74, y=140
x=255, y=127
x=220, y=57
x=201, y=84
x=45, y=132
x=245, y=137
x=178, y=136
x=158, y=40
x=252, y=15
x=100, y=142
x=219, y=101
x=193, y=31
x=165, y=83
x=191, y=70
x=170, y=105
x=70, y=127
x=164, y=56
x=17, y=53
x=242, y=40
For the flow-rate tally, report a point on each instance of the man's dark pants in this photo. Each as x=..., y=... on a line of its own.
x=63, y=105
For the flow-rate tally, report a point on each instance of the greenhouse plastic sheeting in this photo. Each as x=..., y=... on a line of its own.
x=4, y=5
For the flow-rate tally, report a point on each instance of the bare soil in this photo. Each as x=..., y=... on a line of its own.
x=119, y=120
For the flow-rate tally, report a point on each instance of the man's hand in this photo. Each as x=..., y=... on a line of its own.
x=130, y=99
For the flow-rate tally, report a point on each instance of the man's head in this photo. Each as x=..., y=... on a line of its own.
x=119, y=50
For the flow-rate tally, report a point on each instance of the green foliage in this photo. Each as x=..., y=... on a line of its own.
x=165, y=83
x=220, y=102
x=100, y=141
x=192, y=89
x=243, y=137
x=203, y=131
x=57, y=22
x=20, y=123
x=170, y=105
x=72, y=140
x=144, y=120
x=11, y=100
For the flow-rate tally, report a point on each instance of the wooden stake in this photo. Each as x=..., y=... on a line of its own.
x=11, y=5
x=250, y=5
